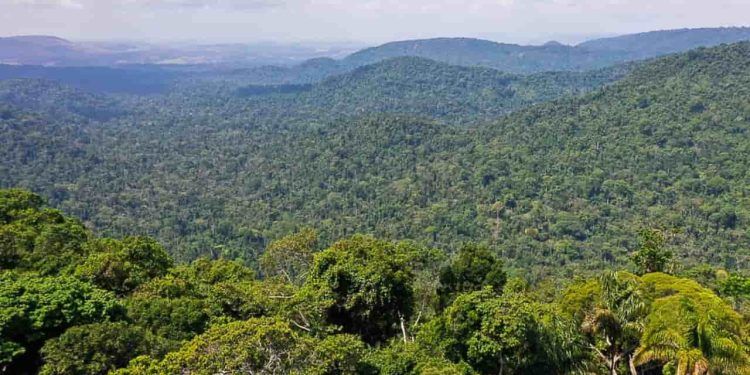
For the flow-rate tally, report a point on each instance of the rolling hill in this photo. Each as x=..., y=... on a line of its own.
x=131, y=80
x=551, y=56
x=559, y=187
x=423, y=87
x=655, y=43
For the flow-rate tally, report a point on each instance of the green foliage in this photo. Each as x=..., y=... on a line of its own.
x=575, y=177
x=552, y=56
x=412, y=85
x=501, y=334
x=258, y=345
x=96, y=349
x=399, y=358
x=189, y=298
x=364, y=286
x=13, y=203
x=472, y=269
x=35, y=308
x=34, y=237
x=611, y=312
x=214, y=316
x=555, y=192
x=121, y=266
x=290, y=257
x=691, y=330
x=652, y=256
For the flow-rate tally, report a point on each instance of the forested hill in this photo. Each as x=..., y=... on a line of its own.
x=476, y=52
x=655, y=43
x=552, y=56
x=57, y=101
x=418, y=86
x=512, y=58
x=666, y=147
x=558, y=187
x=130, y=80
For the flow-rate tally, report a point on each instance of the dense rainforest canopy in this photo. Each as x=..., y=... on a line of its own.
x=559, y=187
x=74, y=303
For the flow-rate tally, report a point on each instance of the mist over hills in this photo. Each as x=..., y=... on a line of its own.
x=118, y=77
x=552, y=56
x=654, y=43
x=54, y=51
x=275, y=64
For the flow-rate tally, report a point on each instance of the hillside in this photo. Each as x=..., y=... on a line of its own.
x=655, y=43
x=132, y=80
x=557, y=188
x=418, y=86
x=551, y=56
x=35, y=50
x=475, y=52
x=56, y=101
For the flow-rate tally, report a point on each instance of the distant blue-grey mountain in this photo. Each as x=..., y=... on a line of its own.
x=511, y=58
x=551, y=56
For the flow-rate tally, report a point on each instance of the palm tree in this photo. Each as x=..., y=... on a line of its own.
x=694, y=333
x=614, y=326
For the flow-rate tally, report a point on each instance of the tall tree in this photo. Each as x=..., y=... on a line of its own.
x=363, y=285
x=691, y=331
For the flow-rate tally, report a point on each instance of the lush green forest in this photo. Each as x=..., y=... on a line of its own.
x=75, y=303
x=383, y=214
x=559, y=188
x=421, y=87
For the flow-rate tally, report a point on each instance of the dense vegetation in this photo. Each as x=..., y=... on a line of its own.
x=561, y=187
x=74, y=303
x=133, y=80
x=416, y=86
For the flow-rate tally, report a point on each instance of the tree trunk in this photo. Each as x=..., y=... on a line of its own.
x=403, y=327
x=613, y=365
x=631, y=365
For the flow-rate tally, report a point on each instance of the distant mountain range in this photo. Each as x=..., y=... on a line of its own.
x=511, y=58
x=553, y=55
x=54, y=51
x=62, y=60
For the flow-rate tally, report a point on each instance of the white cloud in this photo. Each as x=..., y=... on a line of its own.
x=48, y=3
x=368, y=20
x=207, y=4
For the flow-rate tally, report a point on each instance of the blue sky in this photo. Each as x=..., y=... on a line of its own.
x=368, y=21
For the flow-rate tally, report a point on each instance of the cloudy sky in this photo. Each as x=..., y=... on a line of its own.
x=526, y=21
